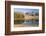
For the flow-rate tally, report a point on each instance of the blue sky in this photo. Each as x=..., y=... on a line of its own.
x=25, y=10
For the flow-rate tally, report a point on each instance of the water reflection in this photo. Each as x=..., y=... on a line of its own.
x=31, y=22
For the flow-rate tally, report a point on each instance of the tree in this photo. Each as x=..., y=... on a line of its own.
x=18, y=15
x=37, y=14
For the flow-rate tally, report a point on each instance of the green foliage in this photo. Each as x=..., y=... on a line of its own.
x=18, y=21
x=18, y=15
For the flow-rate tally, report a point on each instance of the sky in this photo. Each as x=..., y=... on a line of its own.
x=24, y=10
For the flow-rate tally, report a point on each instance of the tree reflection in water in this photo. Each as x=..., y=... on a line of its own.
x=31, y=22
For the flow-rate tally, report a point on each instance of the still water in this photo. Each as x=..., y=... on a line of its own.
x=31, y=22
